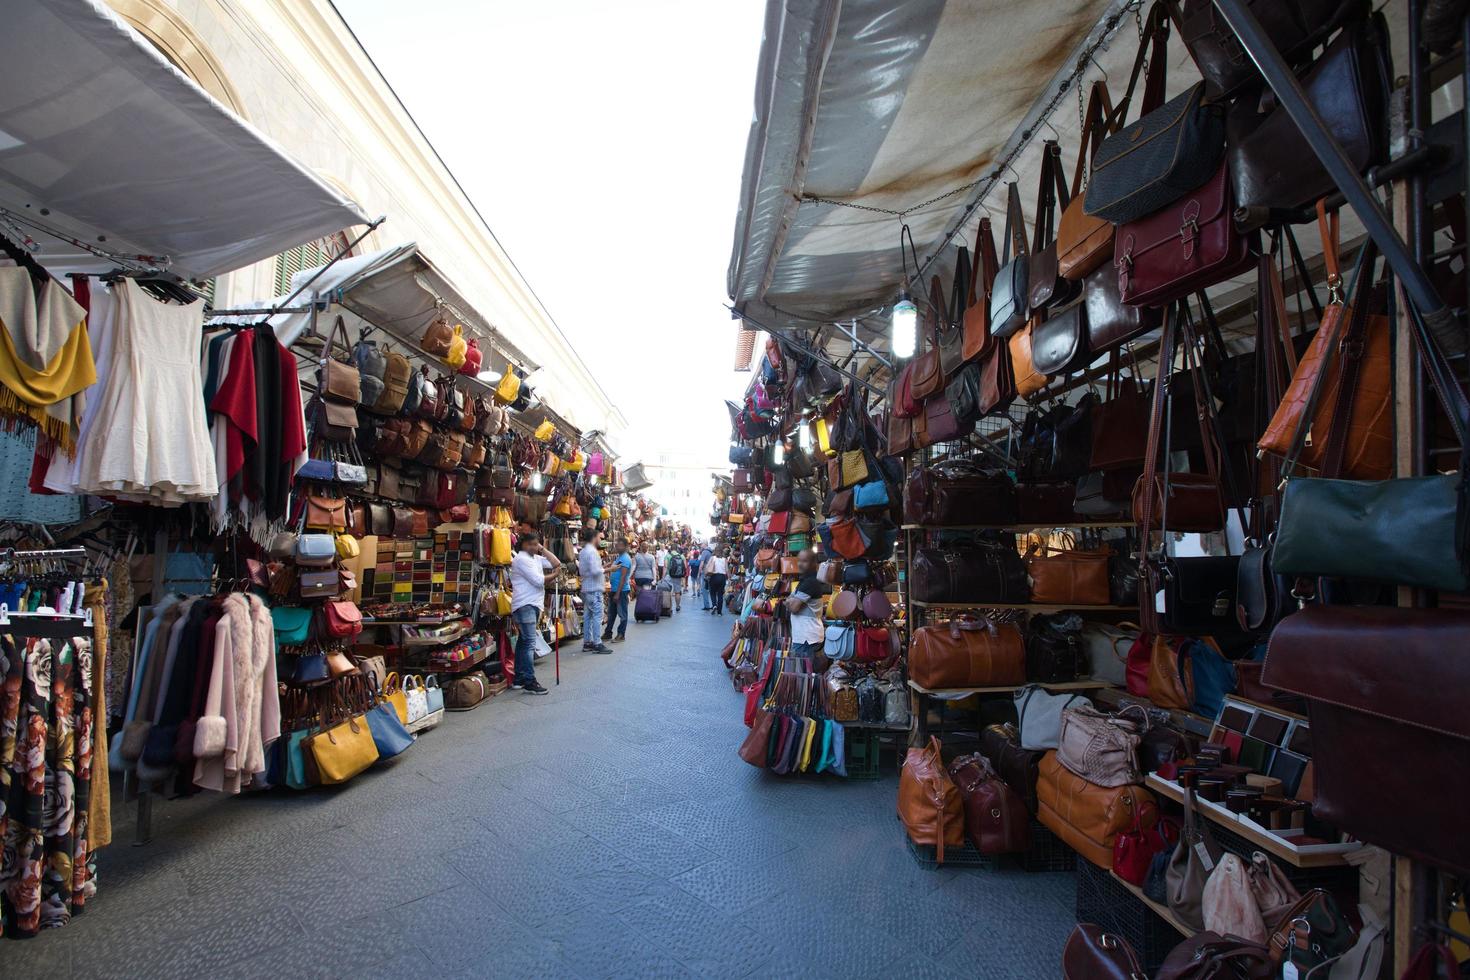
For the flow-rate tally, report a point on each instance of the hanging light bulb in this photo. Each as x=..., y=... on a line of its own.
x=535, y=481
x=778, y=454
x=806, y=437
x=905, y=325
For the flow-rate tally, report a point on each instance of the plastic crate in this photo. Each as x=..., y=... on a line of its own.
x=1103, y=901
x=967, y=856
x=863, y=753
x=1047, y=851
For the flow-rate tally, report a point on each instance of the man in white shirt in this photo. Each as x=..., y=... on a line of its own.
x=661, y=559
x=531, y=570
x=593, y=572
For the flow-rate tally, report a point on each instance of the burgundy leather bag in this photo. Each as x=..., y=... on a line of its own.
x=1390, y=734
x=996, y=820
x=958, y=492
x=1120, y=423
x=1182, y=248
x=1092, y=954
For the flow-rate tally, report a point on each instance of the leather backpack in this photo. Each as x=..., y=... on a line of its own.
x=396, y=374
x=928, y=801
x=438, y=337
x=371, y=363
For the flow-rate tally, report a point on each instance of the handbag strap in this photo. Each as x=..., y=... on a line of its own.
x=1015, y=234
x=1152, y=51
x=962, y=290
x=1167, y=342
x=1051, y=192
x=1098, y=123
x=984, y=267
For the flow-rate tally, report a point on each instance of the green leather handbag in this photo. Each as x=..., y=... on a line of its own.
x=1399, y=532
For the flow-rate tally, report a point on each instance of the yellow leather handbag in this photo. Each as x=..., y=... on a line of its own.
x=347, y=546
x=500, y=546
x=509, y=387
x=824, y=438
x=393, y=694
x=854, y=468
x=457, y=348
x=344, y=750
x=545, y=430
x=577, y=463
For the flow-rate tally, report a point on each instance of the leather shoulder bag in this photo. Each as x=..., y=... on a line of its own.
x=1010, y=297
x=982, y=278
x=340, y=379
x=1045, y=286
x=1102, y=748
x=1085, y=242
x=1294, y=27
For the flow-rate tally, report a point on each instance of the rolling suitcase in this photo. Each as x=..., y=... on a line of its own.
x=646, y=607
x=667, y=603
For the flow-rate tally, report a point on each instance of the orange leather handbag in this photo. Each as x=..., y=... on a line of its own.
x=1069, y=577
x=967, y=652
x=929, y=802
x=1028, y=380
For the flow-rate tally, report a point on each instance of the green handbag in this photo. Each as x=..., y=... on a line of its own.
x=293, y=625
x=1400, y=532
x=296, y=777
x=797, y=543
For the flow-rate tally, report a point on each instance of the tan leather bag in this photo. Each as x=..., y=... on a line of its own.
x=437, y=338
x=1069, y=577
x=1230, y=908
x=1273, y=891
x=1102, y=748
x=1086, y=816
x=929, y=803
x=977, y=313
x=967, y=653
x=1028, y=380
x=1168, y=686
x=1085, y=242
x=340, y=381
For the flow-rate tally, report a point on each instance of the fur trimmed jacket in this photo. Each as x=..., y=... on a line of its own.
x=242, y=711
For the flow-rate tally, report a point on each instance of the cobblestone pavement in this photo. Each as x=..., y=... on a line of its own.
x=605, y=830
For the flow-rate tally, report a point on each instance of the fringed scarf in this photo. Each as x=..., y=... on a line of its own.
x=45, y=356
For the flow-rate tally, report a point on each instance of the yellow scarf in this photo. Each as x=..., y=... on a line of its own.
x=45, y=355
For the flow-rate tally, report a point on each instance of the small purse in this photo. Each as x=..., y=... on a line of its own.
x=320, y=585
x=315, y=550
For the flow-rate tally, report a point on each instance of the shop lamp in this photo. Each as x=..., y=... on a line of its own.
x=778, y=453
x=535, y=481
x=806, y=436
x=905, y=325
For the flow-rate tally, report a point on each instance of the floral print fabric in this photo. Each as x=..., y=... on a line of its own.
x=45, y=781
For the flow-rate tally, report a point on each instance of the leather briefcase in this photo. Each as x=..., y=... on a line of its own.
x=1089, y=817
x=967, y=652
x=958, y=492
x=1190, y=243
x=1390, y=734
x=969, y=573
x=1199, y=594
x=1017, y=766
x=996, y=820
x=1009, y=296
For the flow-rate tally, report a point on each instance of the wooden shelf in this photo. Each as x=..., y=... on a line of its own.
x=1041, y=607
x=1162, y=911
x=1084, y=684
x=1014, y=527
x=1319, y=857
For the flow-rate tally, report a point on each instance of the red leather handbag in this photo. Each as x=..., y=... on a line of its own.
x=780, y=522
x=847, y=539
x=873, y=644
x=1140, y=656
x=1182, y=248
x=1134, y=849
x=342, y=618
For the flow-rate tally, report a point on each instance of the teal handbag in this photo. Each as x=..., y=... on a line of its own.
x=434, y=693
x=293, y=625
x=1398, y=532
x=296, y=760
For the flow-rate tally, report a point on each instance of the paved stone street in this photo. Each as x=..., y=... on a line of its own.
x=607, y=829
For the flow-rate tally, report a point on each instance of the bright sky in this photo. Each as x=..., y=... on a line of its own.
x=603, y=142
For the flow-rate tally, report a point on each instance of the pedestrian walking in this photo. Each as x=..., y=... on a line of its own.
x=715, y=571
x=704, y=556
x=531, y=570
x=678, y=569
x=593, y=572
x=620, y=578
x=645, y=569
x=661, y=561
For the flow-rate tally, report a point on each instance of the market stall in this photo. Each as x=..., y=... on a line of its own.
x=1125, y=360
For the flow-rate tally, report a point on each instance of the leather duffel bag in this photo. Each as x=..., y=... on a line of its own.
x=1086, y=816
x=1069, y=578
x=1390, y=734
x=967, y=652
x=969, y=573
x=959, y=492
x=996, y=820
x=1092, y=954
x=928, y=801
x=1017, y=766
x=465, y=692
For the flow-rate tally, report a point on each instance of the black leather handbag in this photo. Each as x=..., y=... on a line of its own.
x=963, y=393
x=1294, y=27
x=1072, y=439
x=1054, y=652
x=1199, y=595
x=1009, y=298
x=1059, y=343
x=969, y=573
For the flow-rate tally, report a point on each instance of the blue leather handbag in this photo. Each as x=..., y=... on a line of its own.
x=293, y=625
x=389, y=735
x=1214, y=677
x=434, y=693
x=296, y=760
x=840, y=642
x=874, y=493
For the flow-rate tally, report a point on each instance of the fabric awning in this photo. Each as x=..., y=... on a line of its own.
x=104, y=141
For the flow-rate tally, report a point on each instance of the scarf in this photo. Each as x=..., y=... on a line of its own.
x=45, y=355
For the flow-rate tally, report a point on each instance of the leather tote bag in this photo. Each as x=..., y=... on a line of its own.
x=1010, y=297
x=1085, y=242
x=1120, y=422
x=1194, y=858
x=967, y=652
x=976, y=321
x=928, y=801
x=1271, y=163
x=1155, y=160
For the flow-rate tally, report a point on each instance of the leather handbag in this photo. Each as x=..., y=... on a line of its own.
x=926, y=379
x=315, y=550
x=342, y=619
x=1199, y=594
x=1028, y=379
x=958, y=492
x=1312, y=933
x=967, y=652
x=1294, y=27
x=928, y=802
x=1046, y=504
x=969, y=573
x=997, y=379
x=1084, y=242
x=1016, y=766
x=325, y=513
x=1010, y=296
x=396, y=374
x=1149, y=163
x=1170, y=679
x=1189, y=244
x=1209, y=956
x=996, y=820
x=1039, y=715
x=1087, y=817
x=1105, y=651
x=340, y=379
x=1092, y=954
x=1272, y=165
x=1053, y=648
x=1270, y=889
x=1101, y=748
x=1134, y=851
x=332, y=420
x=1044, y=283
x=1120, y=422
x=390, y=736
x=1069, y=578
x=1388, y=722
x=963, y=394
x=1190, y=865
x=1228, y=906
x=438, y=336
x=875, y=643
x=1109, y=321
x=1059, y=342
x=976, y=323
x=1194, y=503
x=941, y=424
x=342, y=751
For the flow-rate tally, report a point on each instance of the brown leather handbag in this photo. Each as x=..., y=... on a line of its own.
x=1209, y=955
x=1044, y=284
x=967, y=652
x=997, y=379
x=1111, y=322
x=982, y=277
x=1170, y=680
x=1087, y=817
x=927, y=379
x=326, y=513
x=420, y=519
x=957, y=492
x=996, y=820
x=1092, y=954
x=844, y=605
x=1069, y=578
x=416, y=438
x=340, y=381
x=928, y=801
x=1017, y=766
x=437, y=338
x=1028, y=379
x=1084, y=242
x=402, y=522
x=1120, y=422
x=395, y=384
x=1194, y=504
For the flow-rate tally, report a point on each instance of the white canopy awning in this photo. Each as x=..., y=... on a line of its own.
x=104, y=141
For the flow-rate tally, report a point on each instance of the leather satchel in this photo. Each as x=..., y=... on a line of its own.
x=926, y=380
x=340, y=379
x=1029, y=380
x=1189, y=501
x=1109, y=321
x=967, y=652
x=1085, y=242
x=437, y=338
x=1388, y=722
x=1010, y=297
x=958, y=492
x=1092, y=954
x=1199, y=594
x=1294, y=27
x=969, y=573
x=1088, y=817
x=941, y=424
x=997, y=379
x=1059, y=342
x=976, y=321
x=1272, y=165
x=928, y=801
x=996, y=820
x=1101, y=748
x=1069, y=578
